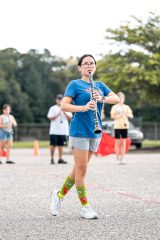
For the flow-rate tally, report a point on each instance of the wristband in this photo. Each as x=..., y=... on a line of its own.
x=102, y=99
x=83, y=110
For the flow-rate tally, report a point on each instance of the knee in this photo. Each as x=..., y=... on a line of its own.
x=124, y=142
x=117, y=141
x=9, y=145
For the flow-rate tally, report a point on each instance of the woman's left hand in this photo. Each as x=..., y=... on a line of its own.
x=97, y=96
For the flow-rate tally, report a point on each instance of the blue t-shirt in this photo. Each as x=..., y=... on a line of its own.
x=82, y=123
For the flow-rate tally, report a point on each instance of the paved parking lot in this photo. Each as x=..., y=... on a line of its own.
x=126, y=197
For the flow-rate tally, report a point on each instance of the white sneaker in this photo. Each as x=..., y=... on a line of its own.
x=56, y=202
x=123, y=162
x=88, y=213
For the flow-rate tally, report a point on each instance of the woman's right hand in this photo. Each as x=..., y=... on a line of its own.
x=5, y=126
x=91, y=105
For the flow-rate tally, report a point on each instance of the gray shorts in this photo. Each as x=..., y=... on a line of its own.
x=90, y=144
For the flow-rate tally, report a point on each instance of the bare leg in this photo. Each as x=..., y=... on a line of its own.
x=123, y=147
x=77, y=176
x=52, y=150
x=90, y=155
x=8, y=150
x=72, y=173
x=117, y=148
x=2, y=144
x=60, y=151
x=70, y=181
x=81, y=159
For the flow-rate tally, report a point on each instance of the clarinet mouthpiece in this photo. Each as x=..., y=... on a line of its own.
x=90, y=74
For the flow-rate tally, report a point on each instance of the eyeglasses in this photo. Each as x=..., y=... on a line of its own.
x=91, y=64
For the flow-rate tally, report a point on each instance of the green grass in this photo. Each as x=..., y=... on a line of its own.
x=45, y=144
x=151, y=143
x=30, y=144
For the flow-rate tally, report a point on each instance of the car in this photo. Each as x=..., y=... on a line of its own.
x=134, y=133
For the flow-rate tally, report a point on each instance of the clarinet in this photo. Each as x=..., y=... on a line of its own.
x=97, y=129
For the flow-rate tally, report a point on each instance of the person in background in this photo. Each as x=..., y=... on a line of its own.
x=82, y=139
x=59, y=129
x=120, y=113
x=7, y=122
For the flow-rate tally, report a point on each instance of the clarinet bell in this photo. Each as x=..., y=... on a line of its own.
x=97, y=130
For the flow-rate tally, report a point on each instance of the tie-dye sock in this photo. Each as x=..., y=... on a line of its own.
x=82, y=194
x=68, y=184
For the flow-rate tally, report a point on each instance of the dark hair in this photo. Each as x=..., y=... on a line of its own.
x=85, y=55
x=5, y=106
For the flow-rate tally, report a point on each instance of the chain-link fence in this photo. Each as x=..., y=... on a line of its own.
x=151, y=130
x=31, y=131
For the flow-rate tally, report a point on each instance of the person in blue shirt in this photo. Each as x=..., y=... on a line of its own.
x=82, y=139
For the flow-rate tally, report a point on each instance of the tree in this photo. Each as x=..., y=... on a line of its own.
x=29, y=82
x=135, y=67
x=10, y=89
x=40, y=76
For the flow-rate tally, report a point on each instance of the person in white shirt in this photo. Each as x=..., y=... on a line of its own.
x=59, y=128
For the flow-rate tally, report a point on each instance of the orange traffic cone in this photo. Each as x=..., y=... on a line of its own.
x=4, y=153
x=36, y=148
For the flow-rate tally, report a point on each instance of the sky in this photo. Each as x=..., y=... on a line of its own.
x=66, y=27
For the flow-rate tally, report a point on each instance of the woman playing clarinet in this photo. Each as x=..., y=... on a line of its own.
x=86, y=102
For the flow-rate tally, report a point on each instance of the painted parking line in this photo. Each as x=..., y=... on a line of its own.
x=120, y=193
x=104, y=189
